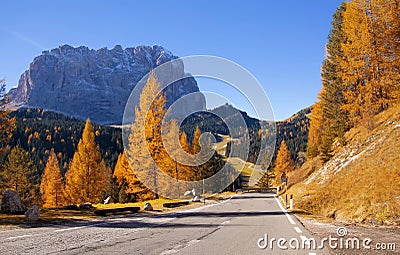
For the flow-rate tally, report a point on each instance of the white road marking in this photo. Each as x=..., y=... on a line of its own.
x=205, y=206
x=285, y=212
x=298, y=230
x=312, y=253
x=18, y=237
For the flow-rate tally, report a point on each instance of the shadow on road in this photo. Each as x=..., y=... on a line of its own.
x=222, y=214
x=143, y=224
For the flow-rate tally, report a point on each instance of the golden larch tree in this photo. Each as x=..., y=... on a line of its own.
x=315, y=131
x=122, y=171
x=370, y=57
x=187, y=172
x=87, y=175
x=146, y=150
x=128, y=181
x=196, y=141
x=184, y=143
x=52, y=190
x=283, y=162
x=176, y=158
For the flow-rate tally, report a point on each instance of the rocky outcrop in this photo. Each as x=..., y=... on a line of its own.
x=11, y=203
x=93, y=83
x=33, y=213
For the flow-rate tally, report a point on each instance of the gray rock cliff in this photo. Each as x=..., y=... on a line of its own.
x=95, y=84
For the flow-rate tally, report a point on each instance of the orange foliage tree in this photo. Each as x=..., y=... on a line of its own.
x=87, y=175
x=52, y=190
x=283, y=162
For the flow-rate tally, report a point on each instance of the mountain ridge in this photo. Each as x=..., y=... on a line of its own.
x=95, y=84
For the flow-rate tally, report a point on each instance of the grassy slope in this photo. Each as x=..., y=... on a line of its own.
x=361, y=183
x=246, y=169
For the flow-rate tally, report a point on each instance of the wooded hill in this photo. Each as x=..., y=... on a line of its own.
x=38, y=131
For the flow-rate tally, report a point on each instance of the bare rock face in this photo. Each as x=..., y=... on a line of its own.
x=94, y=84
x=11, y=203
x=33, y=213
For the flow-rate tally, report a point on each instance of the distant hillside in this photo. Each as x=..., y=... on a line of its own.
x=361, y=182
x=214, y=121
x=38, y=131
x=293, y=130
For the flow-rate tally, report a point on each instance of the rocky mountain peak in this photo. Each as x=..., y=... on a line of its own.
x=88, y=83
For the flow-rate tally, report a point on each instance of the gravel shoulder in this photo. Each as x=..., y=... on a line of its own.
x=384, y=240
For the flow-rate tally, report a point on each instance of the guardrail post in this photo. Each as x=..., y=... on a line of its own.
x=291, y=202
x=277, y=190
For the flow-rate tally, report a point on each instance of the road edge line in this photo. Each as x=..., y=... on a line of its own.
x=285, y=211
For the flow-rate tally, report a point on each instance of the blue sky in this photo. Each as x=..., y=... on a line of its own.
x=280, y=42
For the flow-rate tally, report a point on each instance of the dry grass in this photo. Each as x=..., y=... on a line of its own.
x=304, y=172
x=245, y=170
x=61, y=216
x=157, y=204
x=221, y=146
x=367, y=190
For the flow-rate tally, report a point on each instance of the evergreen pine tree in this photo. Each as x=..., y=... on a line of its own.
x=7, y=124
x=20, y=175
x=328, y=119
x=332, y=99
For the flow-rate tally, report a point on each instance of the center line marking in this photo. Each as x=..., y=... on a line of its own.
x=17, y=237
x=298, y=230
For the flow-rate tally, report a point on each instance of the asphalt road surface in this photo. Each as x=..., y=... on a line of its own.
x=239, y=225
